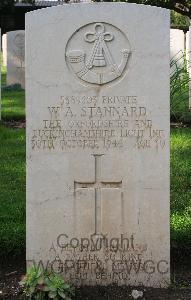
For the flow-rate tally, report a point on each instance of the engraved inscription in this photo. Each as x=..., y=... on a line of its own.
x=98, y=258
x=97, y=65
x=99, y=123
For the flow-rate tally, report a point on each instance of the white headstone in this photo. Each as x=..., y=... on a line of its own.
x=98, y=142
x=16, y=57
x=177, y=46
x=4, y=49
x=187, y=45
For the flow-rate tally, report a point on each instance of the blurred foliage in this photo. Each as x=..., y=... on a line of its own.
x=7, y=5
x=179, y=89
x=183, y=7
x=179, y=20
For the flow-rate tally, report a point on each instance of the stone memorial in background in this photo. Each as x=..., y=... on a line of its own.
x=177, y=47
x=98, y=143
x=16, y=57
x=4, y=49
x=187, y=46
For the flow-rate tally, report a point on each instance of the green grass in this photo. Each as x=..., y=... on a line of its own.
x=13, y=105
x=181, y=188
x=12, y=101
x=3, y=75
x=12, y=187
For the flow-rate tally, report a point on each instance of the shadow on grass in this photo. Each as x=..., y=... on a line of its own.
x=13, y=105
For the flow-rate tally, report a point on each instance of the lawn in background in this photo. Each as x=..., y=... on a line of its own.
x=13, y=105
x=12, y=190
x=12, y=172
x=3, y=75
x=12, y=100
x=181, y=189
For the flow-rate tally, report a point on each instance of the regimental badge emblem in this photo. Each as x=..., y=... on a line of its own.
x=98, y=53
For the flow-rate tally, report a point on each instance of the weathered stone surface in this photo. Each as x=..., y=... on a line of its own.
x=16, y=57
x=4, y=49
x=98, y=142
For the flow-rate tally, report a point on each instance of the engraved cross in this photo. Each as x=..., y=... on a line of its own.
x=97, y=185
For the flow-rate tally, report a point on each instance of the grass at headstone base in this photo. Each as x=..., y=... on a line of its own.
x=12, y=190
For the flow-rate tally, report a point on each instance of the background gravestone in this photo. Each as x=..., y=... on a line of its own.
x=16, y=57
x=187, y=46
x=177, y=46
x=98, y=142
x=4, y=49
